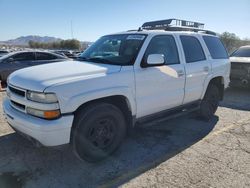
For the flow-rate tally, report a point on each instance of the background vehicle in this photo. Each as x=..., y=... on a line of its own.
x=240, y=67
x=122, y=79
x=67, y=53
x=3, y=52
x=18, y=60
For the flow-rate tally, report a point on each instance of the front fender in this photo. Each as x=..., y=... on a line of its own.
x=74, y=102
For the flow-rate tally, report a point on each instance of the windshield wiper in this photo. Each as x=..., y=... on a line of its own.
x=82, y=59
x=99, y=60
x=96, y=60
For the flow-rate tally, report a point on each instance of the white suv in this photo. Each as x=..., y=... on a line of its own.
x=135, y=76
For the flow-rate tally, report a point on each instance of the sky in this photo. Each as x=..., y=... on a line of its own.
x=93, y=18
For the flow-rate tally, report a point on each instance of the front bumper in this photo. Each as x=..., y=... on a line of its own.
x=241, y=82
x=47, y=132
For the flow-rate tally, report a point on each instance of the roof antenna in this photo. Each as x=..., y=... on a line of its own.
x=71, y=29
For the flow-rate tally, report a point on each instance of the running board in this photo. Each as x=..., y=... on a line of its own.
x=169, y=114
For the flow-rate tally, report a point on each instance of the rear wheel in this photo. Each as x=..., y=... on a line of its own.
x=210, y=102
x=99, y=130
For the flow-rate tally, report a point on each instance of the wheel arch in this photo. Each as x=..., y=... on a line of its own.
x=219, y=81
x=120, y=101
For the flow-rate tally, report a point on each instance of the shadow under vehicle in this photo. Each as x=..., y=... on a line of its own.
x=21, y=163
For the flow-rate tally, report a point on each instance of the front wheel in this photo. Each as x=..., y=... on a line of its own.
x=99, y=130
x=210, y=102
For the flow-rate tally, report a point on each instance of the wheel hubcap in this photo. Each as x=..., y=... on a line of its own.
x=102, y=133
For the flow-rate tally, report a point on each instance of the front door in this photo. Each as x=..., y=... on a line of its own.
x=160, y=88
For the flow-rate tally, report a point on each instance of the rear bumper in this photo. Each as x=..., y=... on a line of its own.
x=47, y=132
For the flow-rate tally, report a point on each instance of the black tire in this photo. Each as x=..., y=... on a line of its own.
x=3, y=84
x=210, y=102
x=98, y=131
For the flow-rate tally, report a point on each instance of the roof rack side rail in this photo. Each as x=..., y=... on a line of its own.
x=176, y=25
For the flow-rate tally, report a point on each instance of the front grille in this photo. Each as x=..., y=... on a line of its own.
x=18, y=105
x=17, y=98
x=16, y=91
x=240, y=70
x=238, y=65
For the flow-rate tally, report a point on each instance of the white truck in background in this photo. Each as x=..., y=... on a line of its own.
x=155, y=72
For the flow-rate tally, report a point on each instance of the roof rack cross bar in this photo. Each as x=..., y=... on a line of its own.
x=176, y=25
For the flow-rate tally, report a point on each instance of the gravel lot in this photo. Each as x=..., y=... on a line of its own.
x=184, y=152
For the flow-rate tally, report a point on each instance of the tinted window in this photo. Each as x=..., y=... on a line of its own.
x=45, y=56
x=242, y=52
x=28, y=56
x=215, y=47
x=192, y=49
x=164, y=44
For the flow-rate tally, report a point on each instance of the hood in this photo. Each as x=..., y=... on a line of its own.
x=240, y=59
x=38, y=78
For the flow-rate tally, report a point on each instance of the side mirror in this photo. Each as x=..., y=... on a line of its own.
x=155, y=59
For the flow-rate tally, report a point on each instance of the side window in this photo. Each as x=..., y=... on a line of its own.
x=44, y=56
x=215, y=47
x=27, y=56
x=192, y=49
x=164, y=44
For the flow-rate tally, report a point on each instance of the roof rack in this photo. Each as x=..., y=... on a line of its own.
x=176, y=25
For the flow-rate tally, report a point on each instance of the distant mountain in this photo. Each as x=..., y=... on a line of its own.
x=24, y=40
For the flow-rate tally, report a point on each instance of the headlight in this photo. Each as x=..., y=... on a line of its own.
x=52, y=114
x=42, y=97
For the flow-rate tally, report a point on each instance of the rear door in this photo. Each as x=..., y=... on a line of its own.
x=197, y=67
x=218, y=57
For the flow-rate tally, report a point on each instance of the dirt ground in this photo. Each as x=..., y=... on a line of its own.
x=183, y=152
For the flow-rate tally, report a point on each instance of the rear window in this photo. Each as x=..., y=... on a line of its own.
x=215, y=47
x=192, y=49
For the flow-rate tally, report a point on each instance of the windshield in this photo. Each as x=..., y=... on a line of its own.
x=242, y=52
x=114, y=49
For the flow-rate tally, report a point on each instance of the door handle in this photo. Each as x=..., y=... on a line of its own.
x=180, y=73
x=206, y=69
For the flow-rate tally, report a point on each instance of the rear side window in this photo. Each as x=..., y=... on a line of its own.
x=192, y=49
x=164, y=44
x=45, y=56
x=215, y=47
